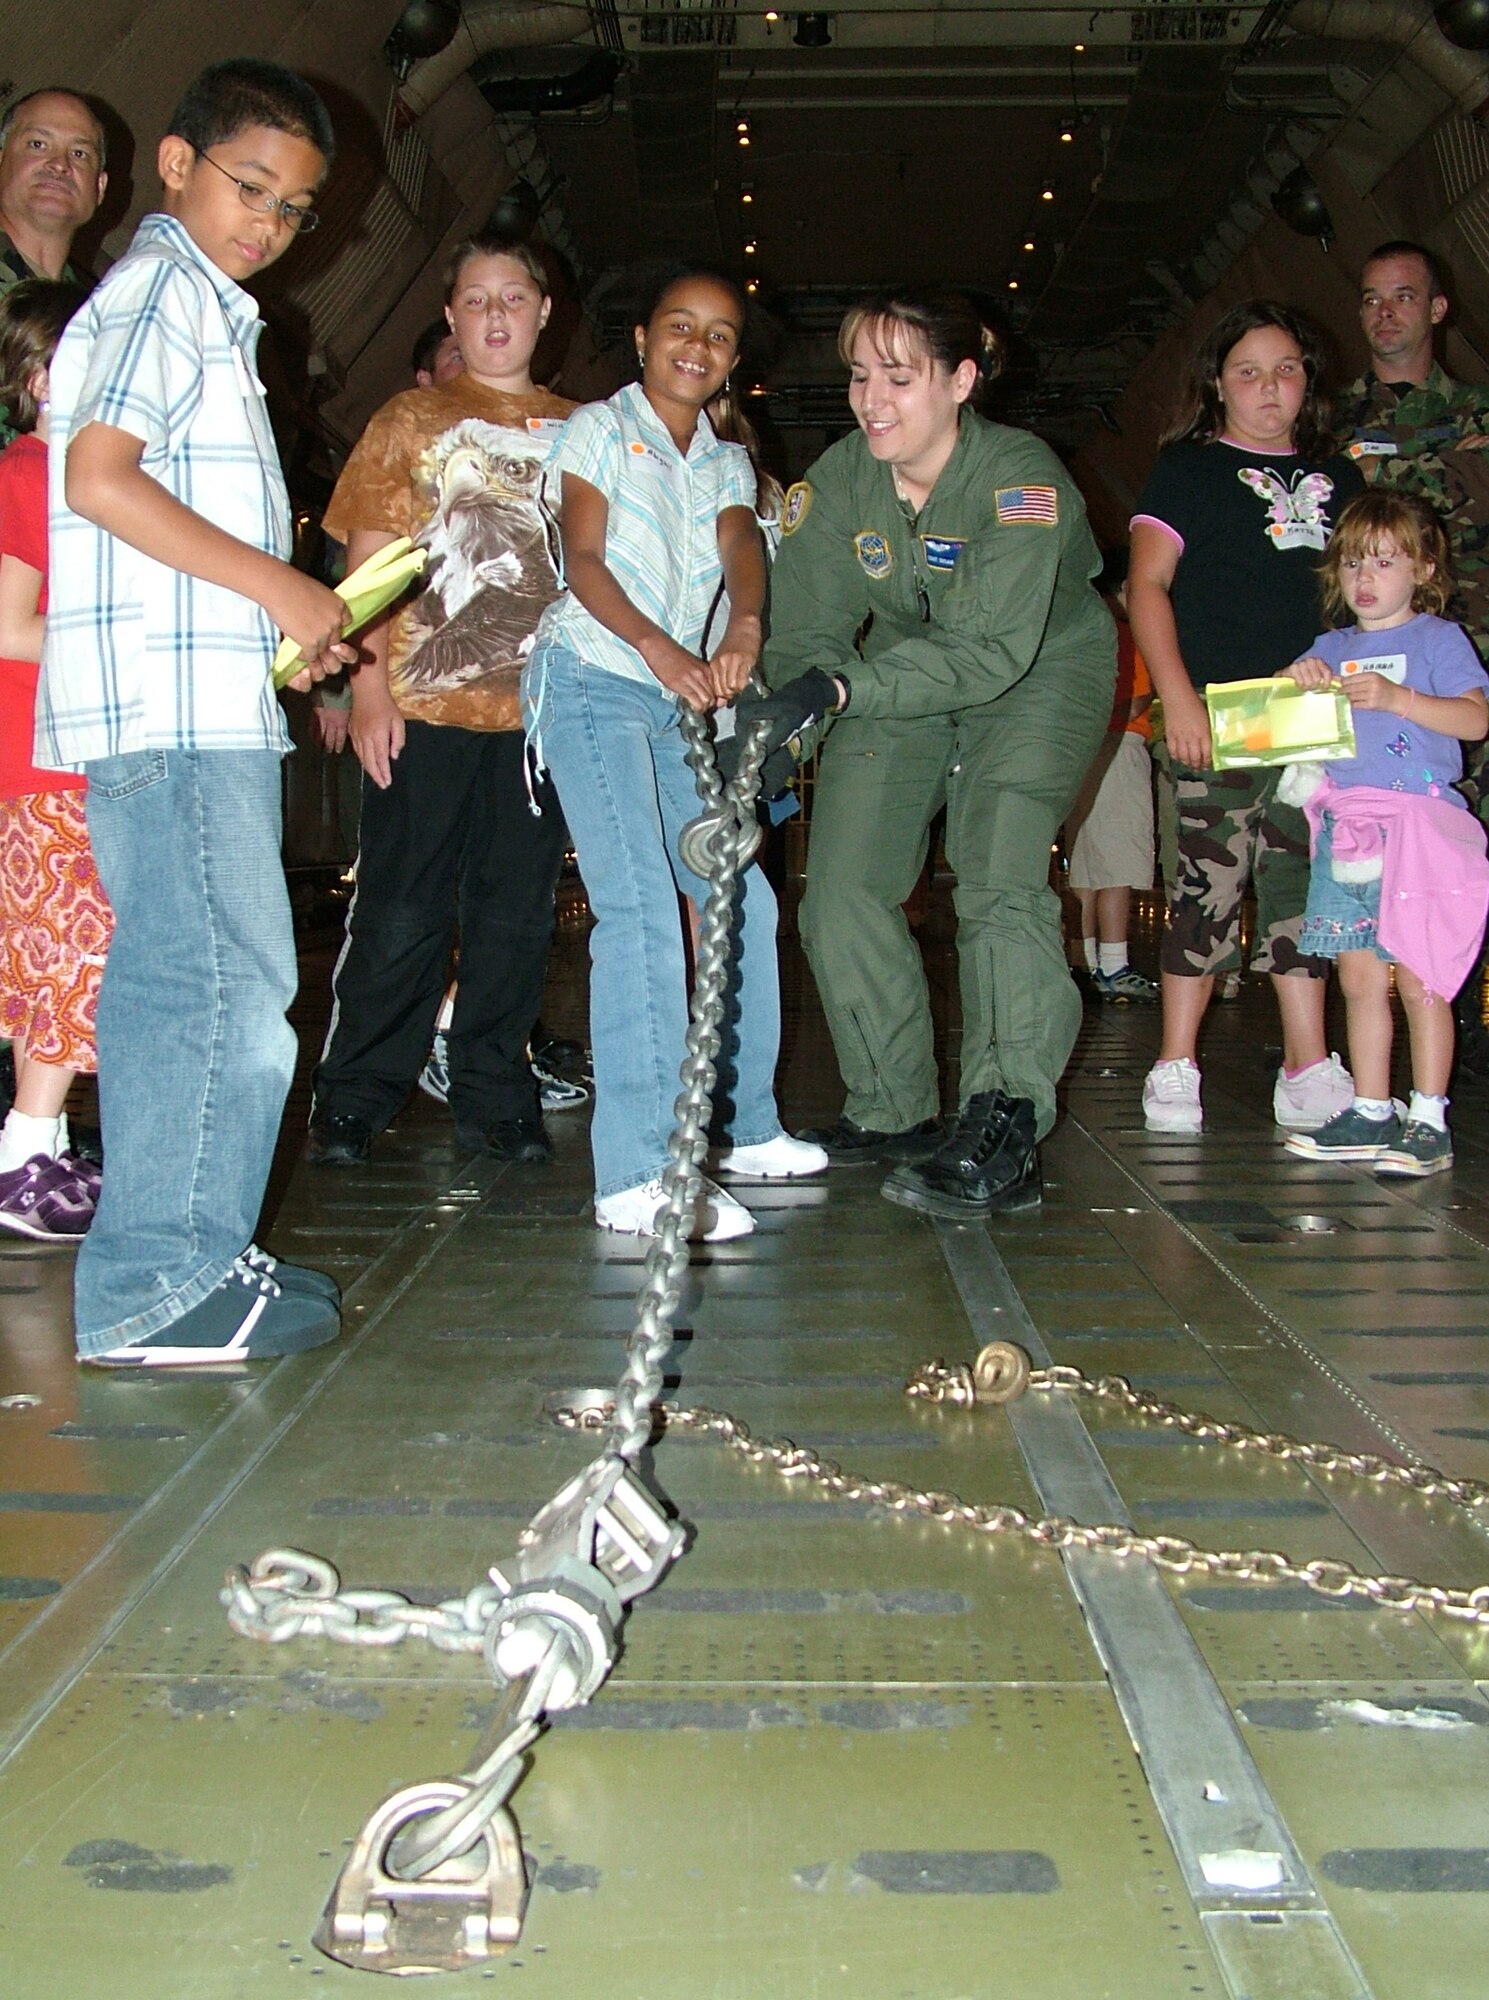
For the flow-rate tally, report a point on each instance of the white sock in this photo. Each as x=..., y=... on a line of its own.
x=1431, y=1111
x=22, y=1138
x=1376, y=1109
x=1113, y=957
x=1092, y=961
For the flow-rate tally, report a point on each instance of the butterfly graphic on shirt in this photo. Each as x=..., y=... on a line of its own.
x=1295, y=511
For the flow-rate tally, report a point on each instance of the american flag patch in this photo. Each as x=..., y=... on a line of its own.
x=1028, y=503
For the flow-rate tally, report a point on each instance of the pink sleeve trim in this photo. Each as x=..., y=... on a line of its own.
x=1152, y=521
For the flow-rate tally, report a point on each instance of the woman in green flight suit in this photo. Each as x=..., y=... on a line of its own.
x=983, y=682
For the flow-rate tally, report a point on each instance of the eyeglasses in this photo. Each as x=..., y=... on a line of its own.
x=259, y=199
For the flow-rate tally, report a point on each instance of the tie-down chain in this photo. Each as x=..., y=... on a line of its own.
x=435, y=1880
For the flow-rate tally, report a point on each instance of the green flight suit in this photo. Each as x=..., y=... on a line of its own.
x=984, y=682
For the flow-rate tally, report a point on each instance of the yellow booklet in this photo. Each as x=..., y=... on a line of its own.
x=1277, y=722
x=369, y=590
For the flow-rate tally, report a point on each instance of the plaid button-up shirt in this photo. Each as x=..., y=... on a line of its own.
x=138, y=655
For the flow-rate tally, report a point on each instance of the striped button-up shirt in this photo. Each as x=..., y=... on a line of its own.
x=661, y=534
x=138, y=655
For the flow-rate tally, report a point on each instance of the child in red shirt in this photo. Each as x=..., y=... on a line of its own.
x=55, y=922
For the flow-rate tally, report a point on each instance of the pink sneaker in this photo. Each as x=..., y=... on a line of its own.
x=1306, y=1102
x=1171, y=1101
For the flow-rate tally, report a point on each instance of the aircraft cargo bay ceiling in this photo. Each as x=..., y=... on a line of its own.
x=1088, y=171
x=1104, y=177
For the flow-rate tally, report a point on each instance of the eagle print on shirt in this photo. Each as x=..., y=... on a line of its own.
x=1295, y=512
x=492, y=563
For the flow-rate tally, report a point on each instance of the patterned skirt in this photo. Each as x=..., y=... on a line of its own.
x=55, y=925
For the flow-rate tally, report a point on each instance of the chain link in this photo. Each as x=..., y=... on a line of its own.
x=936, y=1382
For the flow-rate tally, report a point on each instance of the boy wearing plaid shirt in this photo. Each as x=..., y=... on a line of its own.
x=170, y=538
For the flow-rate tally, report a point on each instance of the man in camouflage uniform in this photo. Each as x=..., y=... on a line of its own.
x=51, y=181
x=1414, y=428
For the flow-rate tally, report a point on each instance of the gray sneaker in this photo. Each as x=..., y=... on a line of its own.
x=1349, y=1135
x=1421, y=1150
x=1127, y=984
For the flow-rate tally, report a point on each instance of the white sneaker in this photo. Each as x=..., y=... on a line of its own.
x=1171, y=1097
x=718, y=1217
x=780, y=1159
x=1306, y=1102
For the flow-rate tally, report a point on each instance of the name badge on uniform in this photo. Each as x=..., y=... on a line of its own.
x=545, y=427
x=794, y=507
x=941, y=551
x=875, y=556
x=1368, y=447
x=1390, y=667
x=638, y=449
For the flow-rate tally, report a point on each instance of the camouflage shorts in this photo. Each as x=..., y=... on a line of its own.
x=1232, y=830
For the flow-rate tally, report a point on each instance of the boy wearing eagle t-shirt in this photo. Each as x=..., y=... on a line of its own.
x=449, y=832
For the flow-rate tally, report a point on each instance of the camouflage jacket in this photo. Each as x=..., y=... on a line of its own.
x=1408, y=436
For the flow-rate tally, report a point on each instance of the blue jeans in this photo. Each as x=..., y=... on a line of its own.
x=195, y=1055
x=615, y=752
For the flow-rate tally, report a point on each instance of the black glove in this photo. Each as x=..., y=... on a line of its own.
x=792, y=711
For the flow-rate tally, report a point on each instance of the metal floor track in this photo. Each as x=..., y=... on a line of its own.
x=845, y=1753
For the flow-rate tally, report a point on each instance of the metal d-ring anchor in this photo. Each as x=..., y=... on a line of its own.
x=464, y=1911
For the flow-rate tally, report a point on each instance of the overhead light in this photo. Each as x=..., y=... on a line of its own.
x=1464, y=23
x=747, y=196
x=741, y=124
x=744, y=134
x=752, y=285
x=771, y=14
x=813, y=31
x=1080, y=47
x=1013, y=284
x=1047, y=192
x=1067, y=132
x=758, y=389
x=1028, y=242
x=750, y=249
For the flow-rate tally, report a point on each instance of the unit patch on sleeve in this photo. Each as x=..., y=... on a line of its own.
x=794, y=507
x=1040, y=504
x=941, y=551
x=875, y=556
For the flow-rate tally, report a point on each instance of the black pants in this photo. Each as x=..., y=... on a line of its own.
x=453, y=840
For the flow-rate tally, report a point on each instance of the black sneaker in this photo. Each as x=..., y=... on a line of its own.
x=249, y=1317
x=338, y=1139
x=518, y=1139
x=572, y=1060
x=990, y=1163
x=292, y=1277
x=847, y=1144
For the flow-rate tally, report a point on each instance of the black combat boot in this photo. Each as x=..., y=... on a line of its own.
x=850, y=1145
x=989, y=1165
